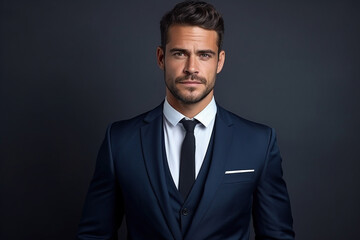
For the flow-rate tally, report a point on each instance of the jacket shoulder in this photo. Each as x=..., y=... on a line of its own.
x=130, y=126
x=241, y=122
x=131, y=123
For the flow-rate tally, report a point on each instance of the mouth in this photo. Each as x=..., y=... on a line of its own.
x=191, y=80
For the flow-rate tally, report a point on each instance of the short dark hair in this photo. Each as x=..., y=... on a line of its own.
x=193, y=13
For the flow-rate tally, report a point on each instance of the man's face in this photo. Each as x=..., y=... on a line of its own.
x=190, y=63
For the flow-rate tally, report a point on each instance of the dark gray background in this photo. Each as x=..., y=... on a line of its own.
x=69, y=68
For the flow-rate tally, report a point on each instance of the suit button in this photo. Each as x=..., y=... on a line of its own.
x=185, y=212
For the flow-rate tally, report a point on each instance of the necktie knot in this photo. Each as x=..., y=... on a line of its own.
x=189, y=125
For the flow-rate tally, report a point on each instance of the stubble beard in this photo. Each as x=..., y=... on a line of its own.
x=188, y=98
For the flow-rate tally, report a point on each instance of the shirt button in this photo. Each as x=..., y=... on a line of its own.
x=185, y=212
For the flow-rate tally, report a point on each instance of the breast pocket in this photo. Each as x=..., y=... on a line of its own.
x=239, y=177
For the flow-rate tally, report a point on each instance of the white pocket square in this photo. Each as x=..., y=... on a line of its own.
x=240, y=171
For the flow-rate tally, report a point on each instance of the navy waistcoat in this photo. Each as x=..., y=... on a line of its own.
x=184, y=209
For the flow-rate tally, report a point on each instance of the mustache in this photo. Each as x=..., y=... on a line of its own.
x=192, y=77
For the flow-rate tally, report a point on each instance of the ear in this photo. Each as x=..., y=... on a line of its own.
x=221, y=61
x=160, y=57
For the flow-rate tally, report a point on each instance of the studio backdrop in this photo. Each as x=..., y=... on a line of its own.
x=70, y=68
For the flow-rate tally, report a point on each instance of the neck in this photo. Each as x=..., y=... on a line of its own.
x=189, y=110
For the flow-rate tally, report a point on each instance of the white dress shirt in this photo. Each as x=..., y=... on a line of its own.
x=174, y=134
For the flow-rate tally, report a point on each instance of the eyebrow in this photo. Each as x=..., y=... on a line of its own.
x=208, y=51
x=179, y=50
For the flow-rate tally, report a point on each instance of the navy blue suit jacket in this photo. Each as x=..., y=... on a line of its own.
x=130, y=179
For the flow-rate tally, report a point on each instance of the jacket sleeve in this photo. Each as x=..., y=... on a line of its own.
x=272, y=217
x=103, y=208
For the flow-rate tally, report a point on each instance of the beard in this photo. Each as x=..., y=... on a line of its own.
x=189, y=98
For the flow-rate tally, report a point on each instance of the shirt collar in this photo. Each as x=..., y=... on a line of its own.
x=205, y=116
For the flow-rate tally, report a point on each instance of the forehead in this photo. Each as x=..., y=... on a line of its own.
x=185, y=36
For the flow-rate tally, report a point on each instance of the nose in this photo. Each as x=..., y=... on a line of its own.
x=191, y=66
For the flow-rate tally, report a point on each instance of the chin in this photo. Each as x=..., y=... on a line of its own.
x=191, y=99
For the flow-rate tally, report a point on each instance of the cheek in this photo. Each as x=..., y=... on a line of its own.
x=209, y=65
x=173, y=68
x=210, y=69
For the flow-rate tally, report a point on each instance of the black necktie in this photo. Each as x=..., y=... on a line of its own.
x=187, y=158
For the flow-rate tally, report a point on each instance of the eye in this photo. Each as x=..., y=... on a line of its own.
x=205, y=56
x=178, y=54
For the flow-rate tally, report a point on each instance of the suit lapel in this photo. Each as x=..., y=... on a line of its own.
x=151, y=139
x=222, y=145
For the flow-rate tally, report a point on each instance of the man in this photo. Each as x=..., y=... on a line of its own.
x=188, y=169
